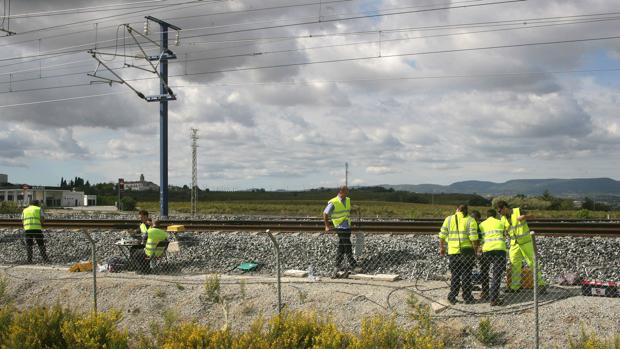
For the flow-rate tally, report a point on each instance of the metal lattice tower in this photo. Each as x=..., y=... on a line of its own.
x=194, y=170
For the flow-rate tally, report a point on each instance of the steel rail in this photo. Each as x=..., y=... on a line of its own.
x=571, y=228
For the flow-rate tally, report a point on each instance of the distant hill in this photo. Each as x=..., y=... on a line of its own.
x=577, y=187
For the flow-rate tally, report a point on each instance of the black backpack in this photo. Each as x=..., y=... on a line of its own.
x=116, y=264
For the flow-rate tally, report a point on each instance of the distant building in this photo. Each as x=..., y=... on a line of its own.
x=25, y=194
x=90, y=200
x=4, y=179
x=141, y=185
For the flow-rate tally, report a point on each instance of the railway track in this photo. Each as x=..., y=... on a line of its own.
x=425, y=226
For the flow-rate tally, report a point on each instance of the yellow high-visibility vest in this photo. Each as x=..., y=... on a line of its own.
x=459, y=231
x=155, y=236
x=31, y=217
x=518, y=231
x=493, y=235
x=341, y=212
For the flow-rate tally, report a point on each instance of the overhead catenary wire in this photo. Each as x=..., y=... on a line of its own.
x=80, y=10
x=554, y=21
x=116, y=16
x=317, y=21
x=260, y=53
x=351, y=59
x=335, y=81
x=174, y=18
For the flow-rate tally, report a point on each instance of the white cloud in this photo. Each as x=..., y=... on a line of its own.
x=378, y=169
x=298, y=131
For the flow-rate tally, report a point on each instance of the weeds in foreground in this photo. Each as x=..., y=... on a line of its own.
x=488, y=335
x=3, y=290
x=592, y=341
x=213, y=294
x=424, y=332
x=54, y=327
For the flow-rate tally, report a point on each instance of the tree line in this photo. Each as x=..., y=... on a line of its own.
x=107, y=194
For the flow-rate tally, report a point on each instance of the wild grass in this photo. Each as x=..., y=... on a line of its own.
x=589, y=340
x=55, y=327
x=365, y=209
x=488, y=335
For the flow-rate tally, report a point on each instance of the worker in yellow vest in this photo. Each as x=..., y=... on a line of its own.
x=32, y=218
x=154, y=235
x=144, y=222
x=338, y=211
x=460, y=232
x=521, y=244
x=493, y=232
x=136, y=252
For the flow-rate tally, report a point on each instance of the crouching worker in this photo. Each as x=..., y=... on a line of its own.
x=152, y=249
x=493, y=257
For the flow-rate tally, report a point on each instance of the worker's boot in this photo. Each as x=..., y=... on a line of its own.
x=335, y=273
x=29, y=255
x=43, y=254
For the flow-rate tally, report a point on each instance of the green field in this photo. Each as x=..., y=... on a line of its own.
x=367, y=209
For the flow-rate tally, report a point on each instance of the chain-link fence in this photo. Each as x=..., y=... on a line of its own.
x=374, y=273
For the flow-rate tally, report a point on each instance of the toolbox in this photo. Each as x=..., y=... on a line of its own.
x=598, y=288
x=527, y=281
x=597, y=284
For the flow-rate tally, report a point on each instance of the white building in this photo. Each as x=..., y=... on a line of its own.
x=90, y=200
x=141, y=185
x=48, y=197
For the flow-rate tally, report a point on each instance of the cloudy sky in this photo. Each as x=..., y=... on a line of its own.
x=284, y=92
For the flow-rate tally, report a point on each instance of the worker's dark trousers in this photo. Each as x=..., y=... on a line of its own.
x=344, y=247
x=138, y=259
x=496, y=262
x=460, y=267
x=31, y=237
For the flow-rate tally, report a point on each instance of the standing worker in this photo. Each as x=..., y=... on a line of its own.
x=339, y=210
x=521, y=244
x=493, y=256
x=32, y=217
x=461, y=233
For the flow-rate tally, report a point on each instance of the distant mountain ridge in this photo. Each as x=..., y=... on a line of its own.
x=576, y=187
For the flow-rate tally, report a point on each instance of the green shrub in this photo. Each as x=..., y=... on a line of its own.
x=95, y=331
x=3, y=287
x=193, y=335
x=37, y=327
x=7, y=207
x=6, y=319
x=583, y=214
x=41, y=327
x=424, y=332
x=128, y=203
x=379, y=332
x=303, y=330
x=212, y=289
x=592, y=341
x=487, y=335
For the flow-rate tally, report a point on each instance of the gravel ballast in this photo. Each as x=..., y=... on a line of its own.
x=410, y=256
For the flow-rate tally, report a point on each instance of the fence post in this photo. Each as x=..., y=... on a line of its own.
x=359, y=236
x=535, y=280
x=94, y=263
x=275, y=243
